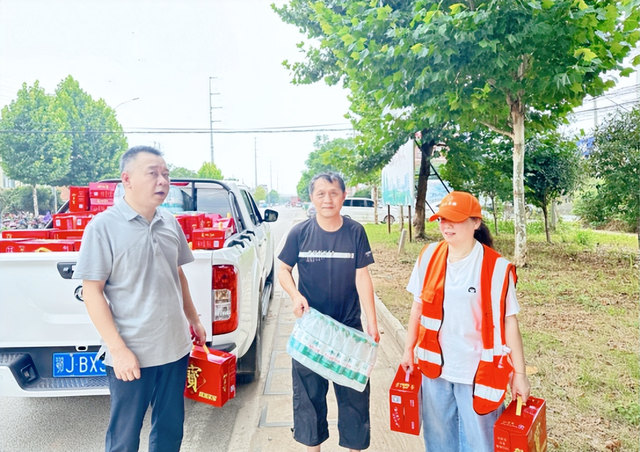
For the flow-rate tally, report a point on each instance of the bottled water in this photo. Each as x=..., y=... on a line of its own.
x=335, y=351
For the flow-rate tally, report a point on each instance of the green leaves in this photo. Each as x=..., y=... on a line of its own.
x=586, y=54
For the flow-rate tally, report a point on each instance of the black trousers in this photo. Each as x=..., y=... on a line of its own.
x=161, y=387
x=310, y=410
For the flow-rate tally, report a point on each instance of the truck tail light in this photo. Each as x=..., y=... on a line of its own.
x=224, y=299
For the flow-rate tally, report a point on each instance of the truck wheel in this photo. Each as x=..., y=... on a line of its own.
x=249, y=365
x=271, y=279
x=390, y=218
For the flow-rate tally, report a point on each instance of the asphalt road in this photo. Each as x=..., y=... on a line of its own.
x=77, y=424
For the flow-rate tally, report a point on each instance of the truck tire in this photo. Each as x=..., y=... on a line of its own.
x=271, y=279
x=392, y=220
x=249, y=365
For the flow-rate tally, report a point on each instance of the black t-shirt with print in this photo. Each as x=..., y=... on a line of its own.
x=327, y=263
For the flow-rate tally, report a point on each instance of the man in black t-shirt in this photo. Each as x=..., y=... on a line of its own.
x=332, y=254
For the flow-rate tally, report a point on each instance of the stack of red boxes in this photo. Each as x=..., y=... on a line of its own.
x=26, y=245
x=101, y=195
x=205, y=231
x=403, y=401
x=211, y=376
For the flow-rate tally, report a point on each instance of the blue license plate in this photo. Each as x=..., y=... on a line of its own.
x=82, y=364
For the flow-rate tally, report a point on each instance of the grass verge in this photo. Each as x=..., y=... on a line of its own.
x=579, y=321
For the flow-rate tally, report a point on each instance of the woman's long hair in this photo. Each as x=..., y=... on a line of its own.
x=483, y=235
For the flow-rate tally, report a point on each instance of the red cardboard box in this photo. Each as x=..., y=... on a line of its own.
x=101, y=201
x=39, y=246
x=68, y=234
x=26, y=234
x=102, y=189
x=210, y=219
x=208, y=238
x=64, y=220
x=524, y=433
x=211, y=376
x=82, y=220
x=225, y=223
x=404, y=401
x=11, y=245
x=78, y=199
x=98, y=208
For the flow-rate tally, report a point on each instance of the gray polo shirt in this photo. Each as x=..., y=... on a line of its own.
x=139, y=262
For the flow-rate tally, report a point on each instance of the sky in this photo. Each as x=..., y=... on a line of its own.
x=166, y=55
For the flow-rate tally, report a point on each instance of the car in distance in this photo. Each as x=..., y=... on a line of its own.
x=362, y=210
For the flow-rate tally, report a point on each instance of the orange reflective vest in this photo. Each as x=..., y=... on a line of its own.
x=495, y=367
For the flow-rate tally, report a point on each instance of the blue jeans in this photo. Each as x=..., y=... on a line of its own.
x=449, y=422
x=161, y=387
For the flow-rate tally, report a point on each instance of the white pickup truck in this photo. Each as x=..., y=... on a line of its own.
x=48, y=344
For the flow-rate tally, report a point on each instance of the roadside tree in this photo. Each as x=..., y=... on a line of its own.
x=479, y=162
x=551, y=170
x=209, y=170
x=494, y=63
x=179, y=171
x=614, y=163
x=33, y=148
x=97, y=138
x=320, y=160
x=260, y=193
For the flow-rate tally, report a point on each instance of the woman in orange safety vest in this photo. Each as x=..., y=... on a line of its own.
x=464, y=331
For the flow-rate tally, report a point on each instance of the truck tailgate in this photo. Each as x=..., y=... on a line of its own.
x=40, y=306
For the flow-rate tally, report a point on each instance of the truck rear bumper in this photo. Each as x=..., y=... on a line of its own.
x=19, y=378
x=25, y=374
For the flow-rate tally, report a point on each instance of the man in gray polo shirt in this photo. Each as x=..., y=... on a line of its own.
x=138, y=298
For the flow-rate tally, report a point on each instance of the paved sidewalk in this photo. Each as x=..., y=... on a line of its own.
x=271, y=431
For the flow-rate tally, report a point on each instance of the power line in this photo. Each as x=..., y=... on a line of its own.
x=175, y=131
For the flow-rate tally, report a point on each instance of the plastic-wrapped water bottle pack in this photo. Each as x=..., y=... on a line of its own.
x=335, y=351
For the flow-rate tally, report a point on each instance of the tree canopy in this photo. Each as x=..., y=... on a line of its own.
x=94, y=154
x=66, y=138
x=209, y=170
x=551, y=170
x=614, y=163
x=33, y=146
x=427, y=63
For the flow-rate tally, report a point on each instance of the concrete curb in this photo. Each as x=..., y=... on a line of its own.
x=390, y=323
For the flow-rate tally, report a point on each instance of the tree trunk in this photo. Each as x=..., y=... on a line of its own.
x=35, y=201
x=495, y=213
x=421, y=197
x=520, y=215
x=546, y=222
x=374, y=191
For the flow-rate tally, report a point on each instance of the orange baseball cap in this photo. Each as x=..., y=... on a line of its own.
x=457, y=206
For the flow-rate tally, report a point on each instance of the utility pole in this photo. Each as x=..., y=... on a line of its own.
x=255, y=159
x=211, y=108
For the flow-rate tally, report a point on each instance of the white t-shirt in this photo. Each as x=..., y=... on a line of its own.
x=460, y=336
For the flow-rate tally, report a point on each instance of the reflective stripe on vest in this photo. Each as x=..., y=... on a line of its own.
x=490, y=383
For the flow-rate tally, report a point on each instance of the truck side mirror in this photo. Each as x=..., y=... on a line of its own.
x=270, y=215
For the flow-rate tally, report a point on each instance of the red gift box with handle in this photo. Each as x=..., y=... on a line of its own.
x=404, y=401
x=211, y=376
x=522, y=428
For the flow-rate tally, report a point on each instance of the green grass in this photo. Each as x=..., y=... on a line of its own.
x=579, y=322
